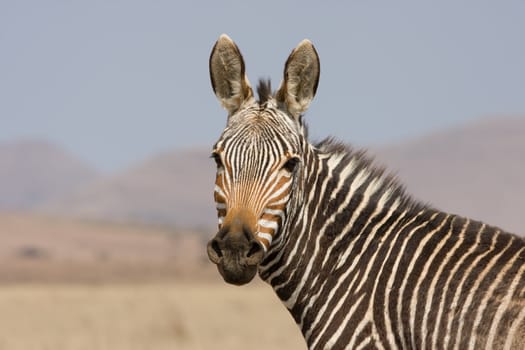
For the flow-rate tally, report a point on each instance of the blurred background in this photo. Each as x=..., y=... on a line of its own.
x=107, y=118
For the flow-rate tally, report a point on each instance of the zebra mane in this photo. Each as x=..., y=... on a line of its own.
x=366, y=162
x=264, y=90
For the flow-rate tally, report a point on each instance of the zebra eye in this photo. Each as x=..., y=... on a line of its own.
x=217, y=158
x=291, y=164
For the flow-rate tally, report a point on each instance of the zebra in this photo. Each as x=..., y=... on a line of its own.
x=357, y=261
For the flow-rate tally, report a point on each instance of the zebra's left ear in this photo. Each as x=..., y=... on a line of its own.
x=301, y=77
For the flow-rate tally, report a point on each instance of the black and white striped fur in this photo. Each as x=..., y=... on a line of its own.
x=358, y=263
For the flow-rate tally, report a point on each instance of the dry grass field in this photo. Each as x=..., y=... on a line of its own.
x=199, y=315
x=37, y=248
x=79, y=285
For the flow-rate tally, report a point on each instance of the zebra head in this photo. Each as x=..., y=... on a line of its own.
x=260, y=156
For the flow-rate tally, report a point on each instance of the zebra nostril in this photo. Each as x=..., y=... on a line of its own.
x=253, y=249
x=255, y=254
x=216, y=248
x=214, y=251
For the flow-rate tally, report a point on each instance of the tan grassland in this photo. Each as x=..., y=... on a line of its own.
x=200, y=315
x=78, y=285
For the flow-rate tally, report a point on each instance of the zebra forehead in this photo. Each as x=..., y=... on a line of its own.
x=253, y=150
x=259, y=130
x=262, y=117
x=257, y=146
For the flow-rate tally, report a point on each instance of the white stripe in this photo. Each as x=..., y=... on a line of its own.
x=331, y=342
x=277, y=193
x=423, y=274
x=488, y=293
x=370, y=190
x=399, y=253
x=505, y=303
x=432, y=289
x=512, y=334
x=452, y=273
x=265, y=236
x=473, y=288
x=420, y=244
x=453, y=307
x=275, y=212
x=343, y=176
x=268, y=224
x=280, y=201
x=219, y=191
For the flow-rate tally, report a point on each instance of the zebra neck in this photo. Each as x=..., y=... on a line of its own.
x=345, y=197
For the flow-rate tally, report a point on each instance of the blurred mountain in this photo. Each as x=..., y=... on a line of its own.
x=34, y=172
x=174, y=188
x=476, y=170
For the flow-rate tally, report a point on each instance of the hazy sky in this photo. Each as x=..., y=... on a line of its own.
x=117, y=81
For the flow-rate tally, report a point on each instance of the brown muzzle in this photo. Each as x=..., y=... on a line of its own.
x=236, y=254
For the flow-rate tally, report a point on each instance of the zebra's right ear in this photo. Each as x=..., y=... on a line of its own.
x=228, y=77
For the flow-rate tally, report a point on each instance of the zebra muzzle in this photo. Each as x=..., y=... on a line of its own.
x=236, y=254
